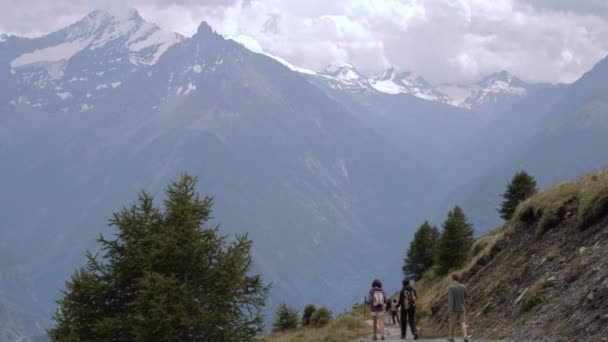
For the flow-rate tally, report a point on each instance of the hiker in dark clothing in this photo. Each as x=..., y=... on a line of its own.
x=377, y=300
x=407, y=303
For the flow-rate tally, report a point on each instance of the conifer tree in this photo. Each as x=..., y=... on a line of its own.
x=420, y=254
x=286, y=318
x=455, y=241
x=309, y=310
x=522, y=186
x=164, y=277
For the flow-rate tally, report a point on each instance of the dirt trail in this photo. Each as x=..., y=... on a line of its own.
x=393, y=333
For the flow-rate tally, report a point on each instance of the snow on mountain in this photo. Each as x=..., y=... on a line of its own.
x=143, y=41
x=494, y=89
x=252, y=45
x=344, y=76
x=391, y=82
x=457, y=93
x=347, y=77
x=57, y=53
x=3, y=37
x=84, y=62
x=493, y=93
x=342, y=72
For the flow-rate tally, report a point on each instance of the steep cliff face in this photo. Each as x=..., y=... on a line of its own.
x=544, y=275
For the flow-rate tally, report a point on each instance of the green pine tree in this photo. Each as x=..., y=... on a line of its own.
x=522, y=186
x=286, y=318
x=455, y=241
x=164, y=277
x=309, y=310
x=420, y=255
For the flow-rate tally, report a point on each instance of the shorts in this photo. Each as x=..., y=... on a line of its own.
x=458, y=317
x=378, y=314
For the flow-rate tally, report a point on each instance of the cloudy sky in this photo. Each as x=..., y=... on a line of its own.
x=443, y=40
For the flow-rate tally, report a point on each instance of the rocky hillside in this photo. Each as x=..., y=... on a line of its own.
x=543, y=276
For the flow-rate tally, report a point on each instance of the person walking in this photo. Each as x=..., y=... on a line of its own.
x=407, y=303
x=377, y=299
x=457, y=300
x=394, y=313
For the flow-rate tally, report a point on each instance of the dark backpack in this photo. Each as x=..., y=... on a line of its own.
x=409, y=298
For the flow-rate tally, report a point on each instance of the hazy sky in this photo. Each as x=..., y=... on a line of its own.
x=443, y=40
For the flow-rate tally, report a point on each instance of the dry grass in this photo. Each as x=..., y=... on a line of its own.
x=485, y=242
x=546, y=208
x=345, y=328
x=593, y=204
x=587, y=194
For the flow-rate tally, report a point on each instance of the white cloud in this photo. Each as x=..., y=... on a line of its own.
x=443, y=40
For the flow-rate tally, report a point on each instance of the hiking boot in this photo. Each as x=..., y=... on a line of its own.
x=376, y=338
x=382, y=337
x=450, y=339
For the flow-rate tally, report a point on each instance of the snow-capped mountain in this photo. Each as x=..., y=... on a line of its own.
x=80, y=64
x=127, y=33
x=3, y=37
x=496, y=88
x=346, y=77
x=493, y=93
x=391, y=82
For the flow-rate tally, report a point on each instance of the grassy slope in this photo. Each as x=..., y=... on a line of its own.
x=345, y=328
x=537, y=254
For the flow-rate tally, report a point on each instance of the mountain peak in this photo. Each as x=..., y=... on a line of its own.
x=3, y=37
x=109, y=23
x=388, y=74
x=501, y=76
x=115, y=14
x=122, y=31
x=204, y=28
x=342, y=71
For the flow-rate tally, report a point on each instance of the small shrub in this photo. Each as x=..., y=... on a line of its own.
x=534, y=295
x=321, y=317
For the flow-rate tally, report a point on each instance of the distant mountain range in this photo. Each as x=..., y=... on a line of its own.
x=494, y=93
x=90, y=119
x=328, y=171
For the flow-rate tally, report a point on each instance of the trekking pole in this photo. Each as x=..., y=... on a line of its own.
x=364, y=307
